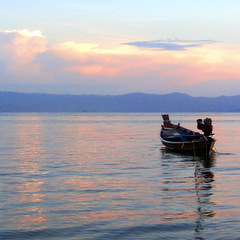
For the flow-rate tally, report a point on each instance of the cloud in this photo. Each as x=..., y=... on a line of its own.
x=76, y=67
x=19, y=49
x=89, y=60
x=169, y=45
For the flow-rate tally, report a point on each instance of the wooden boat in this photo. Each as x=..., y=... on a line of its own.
x=179, y=138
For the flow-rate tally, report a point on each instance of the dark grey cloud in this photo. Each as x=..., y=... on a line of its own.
x=169, y=44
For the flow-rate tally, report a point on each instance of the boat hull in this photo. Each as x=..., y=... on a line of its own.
x=201, y=145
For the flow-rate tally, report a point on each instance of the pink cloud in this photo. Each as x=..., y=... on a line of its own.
x=27, y=57
x=130, y=68
x=94, y=70
x=19, y=49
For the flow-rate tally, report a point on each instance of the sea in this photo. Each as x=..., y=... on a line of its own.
x=100, y=176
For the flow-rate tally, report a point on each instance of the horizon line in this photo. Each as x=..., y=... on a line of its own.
x=122, y=94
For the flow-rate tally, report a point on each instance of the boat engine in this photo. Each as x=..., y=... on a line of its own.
x=206, y=126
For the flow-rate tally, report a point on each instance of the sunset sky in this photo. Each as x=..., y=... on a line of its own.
x=113, y=47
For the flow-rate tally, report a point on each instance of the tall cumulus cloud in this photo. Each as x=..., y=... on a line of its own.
x=18, y=49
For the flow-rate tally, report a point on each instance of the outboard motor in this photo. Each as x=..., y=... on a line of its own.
x=205, y=126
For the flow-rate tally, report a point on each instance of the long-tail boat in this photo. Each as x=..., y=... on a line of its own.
x=180, y=138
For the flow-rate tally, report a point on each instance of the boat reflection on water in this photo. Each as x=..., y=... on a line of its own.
x=202, y=178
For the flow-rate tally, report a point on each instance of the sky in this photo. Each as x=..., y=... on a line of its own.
x=116, y=47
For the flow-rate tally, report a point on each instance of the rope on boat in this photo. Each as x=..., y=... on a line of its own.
x=206, y=149
x=215, y=149
x=194, y=151
x=205, y=137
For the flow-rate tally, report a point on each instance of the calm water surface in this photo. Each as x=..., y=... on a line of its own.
x=107, y=176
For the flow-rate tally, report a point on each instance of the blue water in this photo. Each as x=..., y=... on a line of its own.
x=107, y=176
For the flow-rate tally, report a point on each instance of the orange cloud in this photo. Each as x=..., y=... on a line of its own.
x=26, y=54
x=91, y=60
x=95, y=70
x=218, y=62
x=204, y=63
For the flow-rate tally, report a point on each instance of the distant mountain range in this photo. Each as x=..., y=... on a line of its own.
x=133, y=102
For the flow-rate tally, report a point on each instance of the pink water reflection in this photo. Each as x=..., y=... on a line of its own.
x=29, y=155
x=81, y=169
